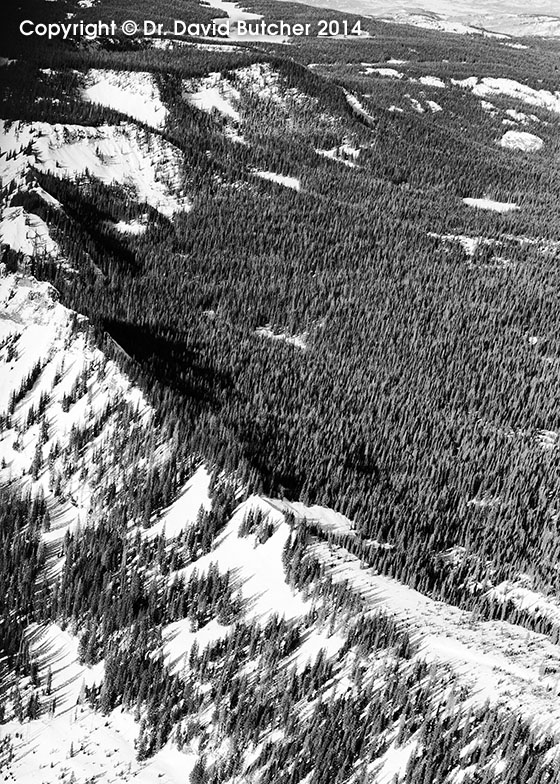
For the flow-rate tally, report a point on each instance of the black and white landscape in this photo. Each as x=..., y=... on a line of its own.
x=280, y=396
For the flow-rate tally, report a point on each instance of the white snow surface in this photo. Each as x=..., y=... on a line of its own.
x=43, y=332
x=257, y=570
x=493, y=18
x=356, y=105
x=280, y=179
x=490, y=204
x=391, y=72
x=213, y=92
x=183, y=512
x=132, y=92
x=521, y=140
x=334, y=155
x=299, y=341
x=499, y=661
x=123, y=154
x=432, y=81
x=493, y=87
x=76, y=743
x=25, y=232
x=233, y=10
x=131, y=227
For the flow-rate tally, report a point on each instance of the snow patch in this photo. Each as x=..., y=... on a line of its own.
x=521, y=140
x=432, y=81
x=490, y=86
x=132, y=92
x=26, y=233
x=490, y=204
x=299, y=341
x=212, y=93
x=287, y=182
x=183, y=512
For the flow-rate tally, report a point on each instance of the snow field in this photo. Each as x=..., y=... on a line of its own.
x=122, y=154
x=183, y=512
x=26, y=233
x=287, y=182
x=493, y=87
x=132, y=92
x=490, y=204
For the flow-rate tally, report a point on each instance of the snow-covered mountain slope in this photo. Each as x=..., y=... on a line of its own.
x=58, y=385
x=490, y=662
x=495, y=18
x=123, y=154
x=72, y=742
x=61, y=385
x=134, y=93
x=27, y=233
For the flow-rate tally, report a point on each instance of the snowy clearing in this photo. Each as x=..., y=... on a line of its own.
x=131, y=227
x=132, y=92
x=344, y=154
x=490, y=204
x=432, y=81
x=212, y=93
x=391, y=72
x=280, y=179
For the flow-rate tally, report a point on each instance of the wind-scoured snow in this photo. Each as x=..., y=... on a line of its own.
x=521, y=140
x=134, y=93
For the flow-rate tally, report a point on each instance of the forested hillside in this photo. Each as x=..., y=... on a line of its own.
x=245, y=284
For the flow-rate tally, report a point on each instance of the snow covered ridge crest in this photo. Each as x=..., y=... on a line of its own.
x=134, y=93
x=56, y=382
x=122, y=154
